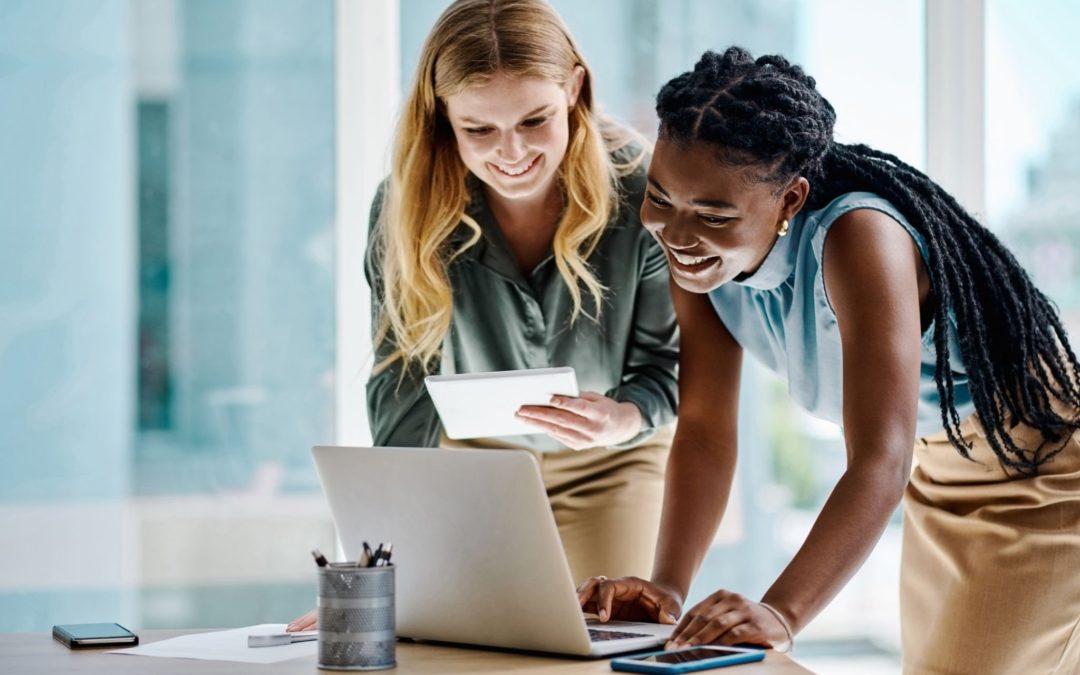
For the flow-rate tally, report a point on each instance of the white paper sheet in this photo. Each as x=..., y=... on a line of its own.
x=225, y=645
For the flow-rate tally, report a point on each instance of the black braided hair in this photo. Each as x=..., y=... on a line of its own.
x=767, y=114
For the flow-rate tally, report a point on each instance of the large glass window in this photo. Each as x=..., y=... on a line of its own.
x=167, y=293
x=1033, y=142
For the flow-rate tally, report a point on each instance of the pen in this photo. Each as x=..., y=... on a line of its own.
x=375, y=558
x=281, y=639
x=384, y=560
x=320, y=559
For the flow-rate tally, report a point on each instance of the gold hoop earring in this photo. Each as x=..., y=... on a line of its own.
x=784, y=226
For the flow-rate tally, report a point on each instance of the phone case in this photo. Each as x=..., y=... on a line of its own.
x=634, y=665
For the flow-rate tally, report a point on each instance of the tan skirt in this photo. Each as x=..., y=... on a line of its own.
x=606, y=502
x=990, y=580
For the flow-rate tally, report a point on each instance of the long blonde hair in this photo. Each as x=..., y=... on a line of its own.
x=427, y=194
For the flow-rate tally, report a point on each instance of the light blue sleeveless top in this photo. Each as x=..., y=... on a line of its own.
x=782, y=316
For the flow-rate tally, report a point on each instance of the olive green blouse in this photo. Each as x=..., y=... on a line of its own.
x=505, y=320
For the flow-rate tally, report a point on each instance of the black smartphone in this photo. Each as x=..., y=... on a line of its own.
x=81, y=635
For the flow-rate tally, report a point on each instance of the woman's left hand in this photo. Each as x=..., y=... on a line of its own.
x=589, y=421
x=728, y=618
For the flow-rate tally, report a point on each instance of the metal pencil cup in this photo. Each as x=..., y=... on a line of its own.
x=356, y=617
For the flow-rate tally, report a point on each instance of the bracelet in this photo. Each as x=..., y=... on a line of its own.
x=787, y=629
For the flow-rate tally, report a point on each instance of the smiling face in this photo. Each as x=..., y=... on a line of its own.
x=512, y=133
x=714, y=221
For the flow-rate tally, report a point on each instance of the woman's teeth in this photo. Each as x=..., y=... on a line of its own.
x=516, y=171
x=689, y=260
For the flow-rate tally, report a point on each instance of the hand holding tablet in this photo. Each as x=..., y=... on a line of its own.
x=589, y=421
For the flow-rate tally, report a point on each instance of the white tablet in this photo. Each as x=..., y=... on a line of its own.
x=479, y=405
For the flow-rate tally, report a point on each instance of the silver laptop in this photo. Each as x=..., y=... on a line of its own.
x=477, y=553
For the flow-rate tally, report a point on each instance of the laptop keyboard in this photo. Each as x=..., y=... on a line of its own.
x=604, y=635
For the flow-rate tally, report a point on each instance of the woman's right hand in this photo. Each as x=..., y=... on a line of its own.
x=630, y=599
x=309, y=621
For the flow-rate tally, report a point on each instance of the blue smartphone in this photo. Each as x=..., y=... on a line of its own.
x=687, y=660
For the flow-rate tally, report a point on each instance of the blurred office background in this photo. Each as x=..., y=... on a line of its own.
x=183, y=196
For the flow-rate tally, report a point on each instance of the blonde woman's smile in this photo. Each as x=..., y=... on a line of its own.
x=517, y=170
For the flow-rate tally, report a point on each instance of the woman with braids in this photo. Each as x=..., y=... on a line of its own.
x=894, y=314
x=507, y=237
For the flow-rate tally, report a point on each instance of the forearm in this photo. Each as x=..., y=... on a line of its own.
x=697, y=486
x=650, y=368
x=400, y=412
x=655, y=394
x=843, y=535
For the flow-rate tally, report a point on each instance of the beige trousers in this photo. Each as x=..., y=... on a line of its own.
x=990, y=580
x=606, y=502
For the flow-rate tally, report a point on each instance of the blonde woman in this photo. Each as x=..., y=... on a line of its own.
x=508, y=237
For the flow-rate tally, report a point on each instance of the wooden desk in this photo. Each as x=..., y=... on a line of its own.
x=33, y=653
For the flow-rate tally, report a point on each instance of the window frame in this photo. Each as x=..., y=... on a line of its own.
x=956, y=99
x=368, y=63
